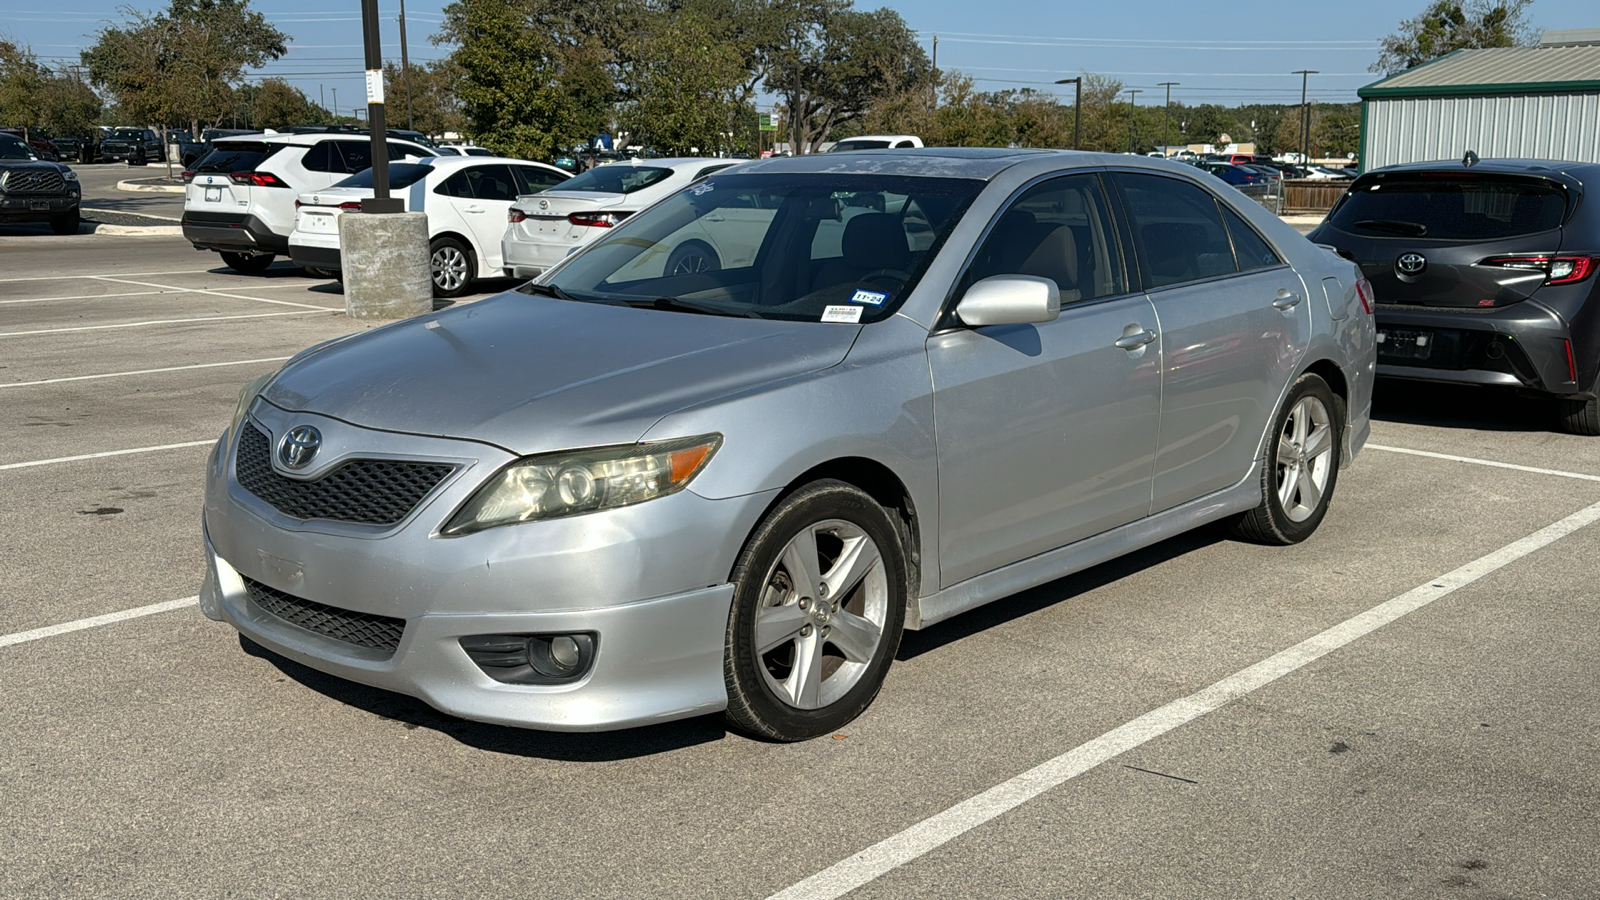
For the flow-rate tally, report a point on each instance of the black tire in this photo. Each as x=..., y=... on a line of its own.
x=755, y=678
x=1581, y=417
x=691, y=257
x=314, y=272
x=443, y=256
x=1274, y=522
x=248, y=263
x=66, y=223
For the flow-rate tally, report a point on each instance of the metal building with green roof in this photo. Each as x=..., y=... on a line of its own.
x=1516, y=102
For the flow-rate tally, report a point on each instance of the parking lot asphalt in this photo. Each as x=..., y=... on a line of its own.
x=1403, y=706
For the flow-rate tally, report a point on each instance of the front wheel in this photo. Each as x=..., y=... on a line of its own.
x=818, y=607
x=248, y=263
x=452, y=267
x=692, y=257
x=66, y=223
x=1301, y=469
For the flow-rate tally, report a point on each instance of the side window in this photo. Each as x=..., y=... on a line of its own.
x=320, y=159
x=1177, y=228
x=709, y=169
x=355, y=155
x=1252, y=250
x=399, y=150
x=455, y=186
x=903, y=144
x=532, y=180
x=1059, y=229
x=492, y=183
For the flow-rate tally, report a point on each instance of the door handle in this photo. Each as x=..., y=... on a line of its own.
x=1286, y=299
x=475, y=209
x=1136, y=340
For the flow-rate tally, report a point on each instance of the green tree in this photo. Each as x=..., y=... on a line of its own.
x=275, y=103
x=1450, y=25
x=434, y=107
x=1206, y=123
x=22, y=83
x=67, y=105
x=685, y=86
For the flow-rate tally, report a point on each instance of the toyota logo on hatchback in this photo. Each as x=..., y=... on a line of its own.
x=299, y=446
x=1411, y=263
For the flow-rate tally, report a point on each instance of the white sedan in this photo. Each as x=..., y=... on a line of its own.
x=467, y=199
x=542, y=230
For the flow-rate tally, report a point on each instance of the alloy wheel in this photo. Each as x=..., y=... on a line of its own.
x=1304, y=458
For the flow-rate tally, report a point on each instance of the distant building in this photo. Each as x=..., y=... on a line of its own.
x=1514, y=102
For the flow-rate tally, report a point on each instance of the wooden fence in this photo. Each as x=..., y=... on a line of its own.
x=1303, y=196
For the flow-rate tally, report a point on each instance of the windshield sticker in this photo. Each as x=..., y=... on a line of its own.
x=846, y=314
x=702, y=188
x=871, y=298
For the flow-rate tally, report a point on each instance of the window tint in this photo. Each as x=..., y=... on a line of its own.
x=455, y=186
x=709, y=169
x=1452, y=207
x=617, y=178
x=532, y=180
x=1059, y=229
x=1177, y=228
x=1252, y=251
x=351, y=156
x=319, y=158
x=399, y=150
x=228, y=157
x=492, y=183
x=400, y=175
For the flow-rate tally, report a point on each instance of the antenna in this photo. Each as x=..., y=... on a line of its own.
x=1470, y=160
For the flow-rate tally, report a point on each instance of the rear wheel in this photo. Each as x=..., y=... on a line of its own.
x=66, y=223
x=248, y=263
x=818, y=606
x=1302, y=467
x=1581, y=417
x=452, y=267
x=691, y=257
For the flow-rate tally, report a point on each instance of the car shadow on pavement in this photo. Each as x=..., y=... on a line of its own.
x=411, y=713
x=1461, y=406
x=1025, y=603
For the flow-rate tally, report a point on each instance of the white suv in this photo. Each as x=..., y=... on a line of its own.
x=240, y=196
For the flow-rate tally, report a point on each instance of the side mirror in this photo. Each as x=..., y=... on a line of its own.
x=1010, y=300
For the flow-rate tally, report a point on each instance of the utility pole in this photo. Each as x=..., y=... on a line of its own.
x=1077, y=108
x=405, y=64
x=1133, y=107
x=1166, y=117
x=335, y=107
x=322, y=101
x=1305, y=116
x=935, y=104
x=381, y=202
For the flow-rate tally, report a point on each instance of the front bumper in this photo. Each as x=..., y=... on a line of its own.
x=1525, y=345
x=649, y=580
x=26, y=208
x=232, y=232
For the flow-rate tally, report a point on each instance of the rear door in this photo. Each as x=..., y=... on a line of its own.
x=493, y=190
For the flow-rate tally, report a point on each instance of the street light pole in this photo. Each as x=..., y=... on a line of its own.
x=381, y=202
x=405, y=64
x=1133, y=107
x=1305, y=116
x=1166, y=117
x=1077, y=107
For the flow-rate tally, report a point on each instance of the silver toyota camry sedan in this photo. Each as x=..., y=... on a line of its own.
x=914, y=382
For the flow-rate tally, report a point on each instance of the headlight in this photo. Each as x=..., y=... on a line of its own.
x=569, y=483
x=69, y=175
x=247, y=395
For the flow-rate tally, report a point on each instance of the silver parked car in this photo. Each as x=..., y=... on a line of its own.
x=628, y=493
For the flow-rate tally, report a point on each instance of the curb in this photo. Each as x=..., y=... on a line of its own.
x=113, y=212
x=134, y=187
x=1302, y=220
x=131, y=230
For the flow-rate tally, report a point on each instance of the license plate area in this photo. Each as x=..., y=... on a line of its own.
x=38, y=204
x=213, y=195
x=1405, y=343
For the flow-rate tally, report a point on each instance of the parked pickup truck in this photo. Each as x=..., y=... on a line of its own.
x=36, y=190
x=136, y=145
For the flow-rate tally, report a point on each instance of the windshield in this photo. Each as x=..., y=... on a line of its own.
x=1450, y=206
x=798, y=246
x=843, y=146
x=127, y=135
x=400, y=175
x=229, y=157
x=13, y=148
x=617, y=178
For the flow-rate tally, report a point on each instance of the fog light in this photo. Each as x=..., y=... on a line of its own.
x=564, y=652
x=532, y=658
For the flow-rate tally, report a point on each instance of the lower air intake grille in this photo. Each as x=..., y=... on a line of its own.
x=361, y=629
x=365, y=491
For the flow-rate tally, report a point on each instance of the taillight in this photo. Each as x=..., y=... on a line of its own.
x=297, y=204
x=350, y=204
x=258, y=179
x=596, y=219
x=188, y=177
x=1364, y=291
x=1556, y=269
x=516, y=215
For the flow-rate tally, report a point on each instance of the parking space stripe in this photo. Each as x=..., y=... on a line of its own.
x=217, y=293
x=1484, y=462
x=22, y=637
x=124, y=275
x=237, y=362
x=83, y=297
x=103, y=454
x=941, y=828
x=297, y=312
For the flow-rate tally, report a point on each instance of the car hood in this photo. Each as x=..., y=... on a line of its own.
x=532, y=374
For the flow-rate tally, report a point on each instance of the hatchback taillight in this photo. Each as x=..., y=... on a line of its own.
x=596, y=219
x=258, y=179
x=1364, y=291
x=1556, y=269
x=516, y=215
x=188, y=177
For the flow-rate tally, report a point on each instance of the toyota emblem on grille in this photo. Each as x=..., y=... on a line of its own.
x=299, y=446
x=1411, y=263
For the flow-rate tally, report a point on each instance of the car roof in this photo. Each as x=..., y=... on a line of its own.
x=448, y=163
x=307, y=139
x=1582, y=171
x=947, y=162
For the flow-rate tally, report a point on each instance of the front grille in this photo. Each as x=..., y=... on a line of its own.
x=364, y=491
x=34, y=181
x=361, y=629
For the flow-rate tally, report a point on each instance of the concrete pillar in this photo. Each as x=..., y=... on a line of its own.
x=384, y=260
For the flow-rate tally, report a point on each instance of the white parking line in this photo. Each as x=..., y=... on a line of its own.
x=297, y=312
x=216, y=293
x=83, y=297
x=1484, y=462
x=123, y=274
x=102, y=455
x=22, y=637
x=238, y=362
x=938, y=830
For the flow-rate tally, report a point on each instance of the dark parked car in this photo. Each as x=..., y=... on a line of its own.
x=1237, y=175
x=1484, y=274
x=78, y=148
x=136, y=145
x=42, y=147
x=36, y=190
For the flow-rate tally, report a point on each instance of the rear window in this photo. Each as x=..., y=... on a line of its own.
x=228, y=157
x=844, y=146
x=400, y=175
x=1452, y=207
x=617, y=178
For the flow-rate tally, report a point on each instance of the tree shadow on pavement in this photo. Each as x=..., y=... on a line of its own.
x=562, y=746
x=1461, y=406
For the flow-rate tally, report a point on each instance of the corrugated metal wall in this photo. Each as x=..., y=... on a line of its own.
x=1527, y=126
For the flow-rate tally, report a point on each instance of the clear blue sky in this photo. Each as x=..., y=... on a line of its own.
x=1224, y=52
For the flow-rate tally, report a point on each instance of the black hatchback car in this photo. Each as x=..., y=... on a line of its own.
x=1484, y=273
